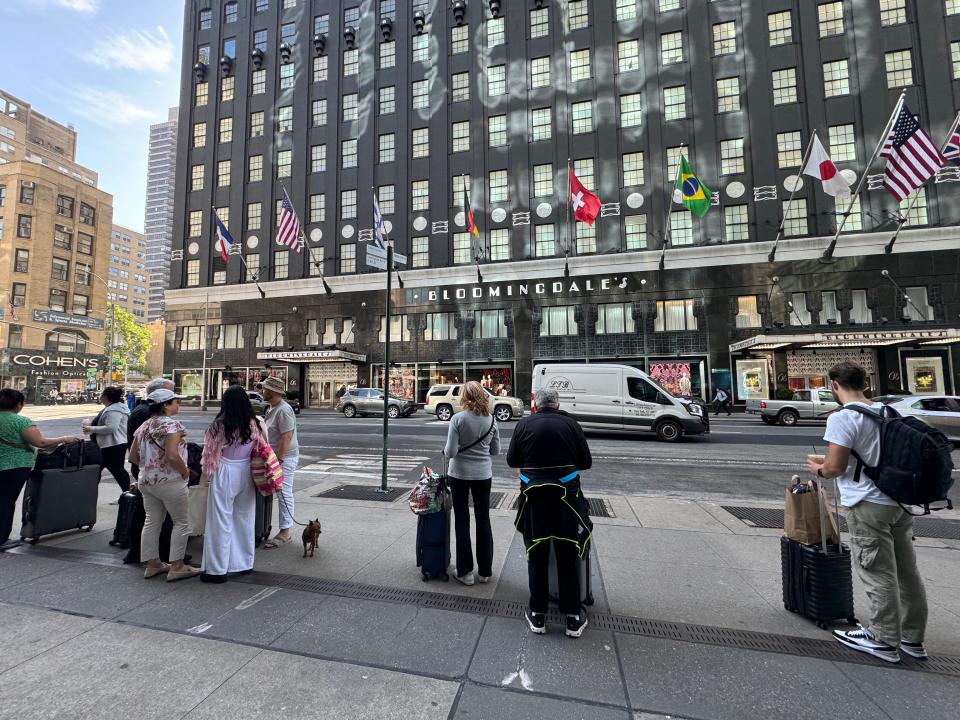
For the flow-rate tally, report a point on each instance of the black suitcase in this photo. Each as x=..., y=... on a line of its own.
x=817, y=584
x=583, y=568
x=125, y=508
x=433, y=545
x=60, y=499
x=264, y=518
x=137, y=516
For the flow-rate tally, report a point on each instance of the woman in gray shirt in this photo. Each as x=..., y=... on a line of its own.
x=472, y=438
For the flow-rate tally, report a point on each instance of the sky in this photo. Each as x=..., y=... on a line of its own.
x=109, y=67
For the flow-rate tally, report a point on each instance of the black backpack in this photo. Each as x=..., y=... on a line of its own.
x=915, y=466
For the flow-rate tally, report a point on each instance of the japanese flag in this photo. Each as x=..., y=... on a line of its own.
x=819, y=165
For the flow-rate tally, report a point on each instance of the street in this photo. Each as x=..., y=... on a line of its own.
x=740, y=459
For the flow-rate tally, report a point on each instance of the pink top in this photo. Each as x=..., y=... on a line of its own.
x=238, y=452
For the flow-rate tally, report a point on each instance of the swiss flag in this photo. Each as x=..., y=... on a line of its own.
x=586, y=205
x=820, y=166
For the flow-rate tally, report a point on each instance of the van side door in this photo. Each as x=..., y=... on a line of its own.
x=642, y=403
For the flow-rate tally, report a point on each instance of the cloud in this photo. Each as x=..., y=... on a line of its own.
x=86, y=6
x=138, y=50
x=107, y=107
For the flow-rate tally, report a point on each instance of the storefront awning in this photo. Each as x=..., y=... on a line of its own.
x=849, y=339
x=312, y=356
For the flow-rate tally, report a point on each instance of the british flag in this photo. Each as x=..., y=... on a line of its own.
x=951, y=148
x=288, y=229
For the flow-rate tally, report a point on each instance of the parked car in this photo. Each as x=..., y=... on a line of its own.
x=620, y=398
x=804, y=405
x=369, y=401
x=444, y=402
x=259, y=404
x=939, y=411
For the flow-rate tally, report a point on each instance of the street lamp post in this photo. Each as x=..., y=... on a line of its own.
x=108, y=342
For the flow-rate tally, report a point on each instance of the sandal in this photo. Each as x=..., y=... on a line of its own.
x=154, y=571
x=277, y=542
x=188, y=571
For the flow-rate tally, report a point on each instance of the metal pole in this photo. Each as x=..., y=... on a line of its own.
x=783, y=220
x=386, y=373
x=828, y=253
x=670, y=204
x=203, y=348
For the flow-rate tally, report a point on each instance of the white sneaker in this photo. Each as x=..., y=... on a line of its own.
x=864, y=641
x=467, y=579
x=484, y=579
x=914, y=650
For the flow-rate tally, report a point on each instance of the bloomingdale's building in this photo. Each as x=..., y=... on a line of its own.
x=329, y=99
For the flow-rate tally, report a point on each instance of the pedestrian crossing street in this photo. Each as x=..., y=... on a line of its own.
x=358, y=466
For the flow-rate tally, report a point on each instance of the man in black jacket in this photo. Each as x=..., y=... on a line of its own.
x=549, y=449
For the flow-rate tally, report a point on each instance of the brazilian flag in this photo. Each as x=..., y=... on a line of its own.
x=694, y=195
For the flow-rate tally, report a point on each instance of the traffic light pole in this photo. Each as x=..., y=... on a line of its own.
x=386, y=372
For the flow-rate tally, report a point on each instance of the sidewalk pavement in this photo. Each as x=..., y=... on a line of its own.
x=61, y=412
x=688, y=622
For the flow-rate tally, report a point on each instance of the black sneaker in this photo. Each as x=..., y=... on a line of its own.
x=576, y=624
x=914, y=650
x=863, y=640
x=217, y=579
x=537, y=622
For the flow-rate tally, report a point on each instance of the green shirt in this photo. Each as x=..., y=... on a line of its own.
x=11, y=427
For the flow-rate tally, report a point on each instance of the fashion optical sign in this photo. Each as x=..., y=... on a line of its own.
x=563, y=287
x=55, y=361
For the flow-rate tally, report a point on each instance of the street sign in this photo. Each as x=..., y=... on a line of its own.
x=91, y=373
x=374, y=260
x=376, y=251
x=399, y=259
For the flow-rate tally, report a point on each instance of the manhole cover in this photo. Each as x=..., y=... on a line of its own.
x=364, y=492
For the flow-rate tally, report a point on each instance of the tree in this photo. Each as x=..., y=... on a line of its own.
x=130, y=341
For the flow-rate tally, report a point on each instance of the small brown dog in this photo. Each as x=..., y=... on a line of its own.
x=311, y=534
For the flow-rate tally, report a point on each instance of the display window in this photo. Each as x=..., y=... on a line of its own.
x=498, y=379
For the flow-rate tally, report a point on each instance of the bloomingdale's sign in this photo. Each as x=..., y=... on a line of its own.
x=515, y=290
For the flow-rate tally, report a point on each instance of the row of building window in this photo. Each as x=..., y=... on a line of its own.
x=57, y=298
x=65, y=203
x=73, y=341
x=62, y=235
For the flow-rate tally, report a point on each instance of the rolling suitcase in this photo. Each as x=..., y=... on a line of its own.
x=60, y=499
x=433, y=545
x=125, y=508
x=136, y=517
x=583, y=568
x=818, y=579
x=263, y=518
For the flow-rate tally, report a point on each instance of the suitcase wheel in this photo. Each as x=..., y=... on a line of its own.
x=424, y=576
x=588, y=600
x=822, y=625
x=85, y=528
x=446, y=577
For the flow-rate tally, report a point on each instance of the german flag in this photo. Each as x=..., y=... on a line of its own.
x=468, y=213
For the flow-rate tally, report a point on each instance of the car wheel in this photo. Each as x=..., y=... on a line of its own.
x=503, y=413
x=444, y=412
x=349, y=411
x=669, y=431
x=768, y=420
x=393, y=412
x=788, y=418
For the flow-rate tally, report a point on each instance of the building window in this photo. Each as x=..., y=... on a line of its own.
x=736, y=223
x=681, y=229
x=673, y=161
x=499, y=244
x=202, y=94
x=440, y=326
x=855, y=221
x=635, y=232
x=671, y=48
x=191, y=338
x=541, y=124
x=398, y=328
x=62, y=237
x=724, y=38
x=18, y=297
x=583, y=169
x=254, y=215
x=21, y=263
x=544, y=241
x=490, y=324
x=631, y=110
x=499, y=187
x=230, y=13
x=582, y=113
x=271, y=334
x=917, y=307
x=497, y=80
x=421, y=95
x=952, y=7
x=321, y=65
x=829, y=311
x=226, y=88
x=88, y=214
x=955, y=59
x=918, y=214
x=633, y=169
x=199, y=137
x=459, y=39
x=348, y=204
x=196, y=177
x=860, y=312
x=420, y=45
x=495, y=32
x=675, y=102
x=675, y=316
x=747, y=314
x=420, y=195
x=261, y=6
x=586, y=238
x=318, y=158
x=615, y=318
x=784, y=86
x=539, y=22
x=386, y=199
x=421, y=143
x=351, y=107
x=281, y=264
x=81, y=304
x=348, y=258
x=795, y=219
x=843, y=144
x=251, y=266
x=420, y=252
x=230, y=337
x=728, y=95
x=206, y=19
x=319, y=112
x=258, y=82
x=255, y=168
x=667, y=5
x=318, y=208
x=83, y=274
x=24, y=226
x=193, y=273
x=388, y=54
x=893, y=12
x=899, y=65
x=731, y=156
x=223, y=173
x=628, y=55
x=288, y=33
x=543, y=180
x=386, y=148
x=780, y=28
x=836, y=78
x=557, y=321
x=260, y=40
x=797, y=307
x=462, y=248
x=387, y=100
x=460, y=87
x=830, y=19
x=285, y=118
x=256, y=124
x=626, y=10
x=348, y=153
x=497, y=130
x=287, y=76
x=789, y=149
x=284, y=163
x=578, y=16
x=351, y=62
x=194, y=224
x=540, y=72
x=85, y=244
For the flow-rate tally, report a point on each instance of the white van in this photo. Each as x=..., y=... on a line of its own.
x=620, y=398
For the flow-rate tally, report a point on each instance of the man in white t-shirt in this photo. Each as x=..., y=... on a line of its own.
x=881, y=531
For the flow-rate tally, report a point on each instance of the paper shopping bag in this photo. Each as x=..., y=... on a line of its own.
x=803, y=505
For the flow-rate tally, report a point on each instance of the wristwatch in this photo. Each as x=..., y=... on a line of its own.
x=820, y=473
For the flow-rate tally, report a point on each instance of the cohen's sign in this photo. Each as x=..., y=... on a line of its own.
x=52, y=317
x=566, y=287
x=56, y=362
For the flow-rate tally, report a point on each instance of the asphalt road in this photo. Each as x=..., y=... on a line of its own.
x=740, y=459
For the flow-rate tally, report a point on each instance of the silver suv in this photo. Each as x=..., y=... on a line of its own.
x=369, y=401
x=444, y=401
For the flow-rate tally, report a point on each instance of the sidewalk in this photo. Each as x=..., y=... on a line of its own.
x=688, y=622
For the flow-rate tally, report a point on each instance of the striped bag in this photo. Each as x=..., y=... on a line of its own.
x=265, y=467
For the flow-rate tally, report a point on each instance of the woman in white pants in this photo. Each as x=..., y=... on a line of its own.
x=282, y=428
x=229, y=538
x=160, y=450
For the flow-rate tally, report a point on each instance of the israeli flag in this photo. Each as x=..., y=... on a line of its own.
x=379, y=230
x=224, y=238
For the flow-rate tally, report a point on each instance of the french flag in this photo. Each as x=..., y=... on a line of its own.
x=224, y=238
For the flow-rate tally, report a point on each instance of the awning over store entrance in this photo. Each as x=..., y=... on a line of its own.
x=312, y=356
x=849, y=338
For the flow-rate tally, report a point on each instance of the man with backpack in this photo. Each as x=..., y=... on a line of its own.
x=881, y=529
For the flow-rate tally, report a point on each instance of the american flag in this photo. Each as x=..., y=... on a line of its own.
x=951, y=148
x=288, y=233
x=912, y=158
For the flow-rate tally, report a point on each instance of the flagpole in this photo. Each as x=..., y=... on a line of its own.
x=905, y=216
x=786, y=212
x=570, y=238
x=827, y=256
x=670, y=204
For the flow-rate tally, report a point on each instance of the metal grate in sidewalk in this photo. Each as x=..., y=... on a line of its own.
x=495, y=499
x=925, y=527
x=364, y=492
x=598, y=507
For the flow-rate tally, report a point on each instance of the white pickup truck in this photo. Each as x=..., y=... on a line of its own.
x=804, y=405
